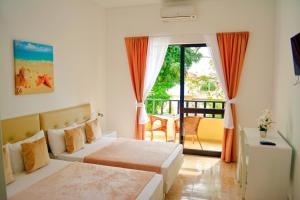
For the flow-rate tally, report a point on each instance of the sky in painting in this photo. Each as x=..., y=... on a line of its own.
x=32, y=51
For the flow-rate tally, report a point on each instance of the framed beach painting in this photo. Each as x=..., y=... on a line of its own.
x=33, y=68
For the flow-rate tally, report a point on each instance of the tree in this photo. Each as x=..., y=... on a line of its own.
x=207, y=86
x=169, y=74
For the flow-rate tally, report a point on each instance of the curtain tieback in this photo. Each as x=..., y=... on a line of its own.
x=143, y=113
x=231, y=101
x=228, y=113
x=140, y=105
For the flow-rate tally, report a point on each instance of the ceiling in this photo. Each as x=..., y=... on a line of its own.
x=124, y=3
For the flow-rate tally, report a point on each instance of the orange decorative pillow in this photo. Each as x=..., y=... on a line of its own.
x=9, y=177
x=35, y=154
x=93, y=130
x=74, y=139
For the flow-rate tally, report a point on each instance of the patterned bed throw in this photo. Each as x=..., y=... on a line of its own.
x=86, y=181
x=133, y=154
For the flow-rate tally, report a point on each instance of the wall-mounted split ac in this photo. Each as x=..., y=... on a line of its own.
x=178, y=13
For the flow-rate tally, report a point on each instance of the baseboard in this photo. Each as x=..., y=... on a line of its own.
x=202, y=152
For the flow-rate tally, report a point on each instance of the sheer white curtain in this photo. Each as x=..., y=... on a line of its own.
x=212, y=43
x=157, y=49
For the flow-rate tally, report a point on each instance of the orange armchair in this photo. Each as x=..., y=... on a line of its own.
x=162, y=127
x=190, y=127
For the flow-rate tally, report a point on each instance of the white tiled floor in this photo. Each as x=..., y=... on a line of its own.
x=205, y=178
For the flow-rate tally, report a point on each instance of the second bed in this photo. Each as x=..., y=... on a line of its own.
x=160, y=157
x=169, y=167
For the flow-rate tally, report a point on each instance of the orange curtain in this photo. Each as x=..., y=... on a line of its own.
x=232, y=48
x=137, y=54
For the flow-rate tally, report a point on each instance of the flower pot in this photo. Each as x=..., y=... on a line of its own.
x=263, y=134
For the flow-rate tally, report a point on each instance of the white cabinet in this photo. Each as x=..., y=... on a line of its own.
x=268, y=167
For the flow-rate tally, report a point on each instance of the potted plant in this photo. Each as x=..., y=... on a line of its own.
x=264, y=123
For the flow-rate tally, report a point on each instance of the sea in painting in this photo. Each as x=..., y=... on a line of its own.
x=33, y=68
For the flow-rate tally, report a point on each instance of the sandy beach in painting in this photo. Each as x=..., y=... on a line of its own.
x=33, y=69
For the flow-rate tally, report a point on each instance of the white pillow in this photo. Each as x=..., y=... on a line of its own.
x=83, y=125
x=98, y=134
x=56, y=138
x=15, y=151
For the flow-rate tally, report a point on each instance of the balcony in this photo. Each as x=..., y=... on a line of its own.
x=210, y=128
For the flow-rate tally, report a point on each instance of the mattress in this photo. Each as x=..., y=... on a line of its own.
x=153, y=190
x=169, y=168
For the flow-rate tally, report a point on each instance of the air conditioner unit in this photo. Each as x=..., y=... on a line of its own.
x=178, y=13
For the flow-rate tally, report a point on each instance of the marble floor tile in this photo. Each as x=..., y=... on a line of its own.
x=205, y=178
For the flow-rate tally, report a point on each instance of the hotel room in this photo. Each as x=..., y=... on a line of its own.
x=149, y=99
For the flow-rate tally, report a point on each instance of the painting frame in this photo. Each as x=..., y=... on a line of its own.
x=33, y=64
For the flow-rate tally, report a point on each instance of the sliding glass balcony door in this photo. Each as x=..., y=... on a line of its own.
x=186, y=102
x=200, y=113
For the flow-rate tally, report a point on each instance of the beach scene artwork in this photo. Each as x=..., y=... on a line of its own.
x=33, y=68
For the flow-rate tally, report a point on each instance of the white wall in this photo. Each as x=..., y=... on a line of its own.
x=76, y=29
x=255, y=91
x=286, y=96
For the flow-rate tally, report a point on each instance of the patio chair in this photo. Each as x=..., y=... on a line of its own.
x=190, y=128
x=176, y=127
x=160, y=127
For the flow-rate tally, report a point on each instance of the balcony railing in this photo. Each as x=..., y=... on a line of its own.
x=204, y=108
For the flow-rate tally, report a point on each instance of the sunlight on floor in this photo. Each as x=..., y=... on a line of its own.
x=205, y=178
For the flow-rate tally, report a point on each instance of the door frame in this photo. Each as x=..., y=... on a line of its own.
x=183, y=110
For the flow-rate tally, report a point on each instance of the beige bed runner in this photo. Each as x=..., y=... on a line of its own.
x=86, y=181
x=133, y=154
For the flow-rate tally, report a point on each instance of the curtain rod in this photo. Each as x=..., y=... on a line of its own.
x=183, y=34
x=178, y=35
x=172, y=35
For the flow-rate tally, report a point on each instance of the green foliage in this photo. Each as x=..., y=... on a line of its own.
x=169, y=75
x=208, y=85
